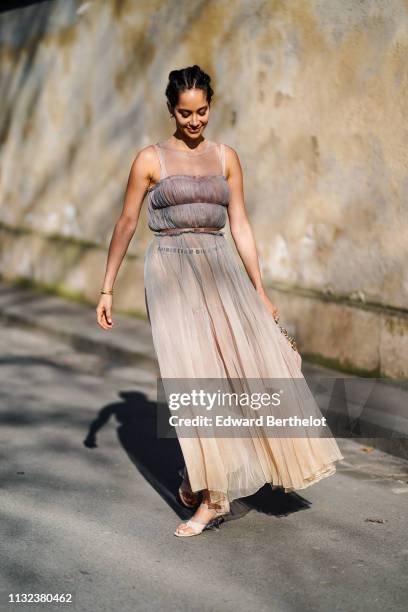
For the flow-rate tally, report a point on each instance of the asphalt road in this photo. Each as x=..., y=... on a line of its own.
x=88, y=506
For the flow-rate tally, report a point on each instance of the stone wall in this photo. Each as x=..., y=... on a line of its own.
x=311, y=94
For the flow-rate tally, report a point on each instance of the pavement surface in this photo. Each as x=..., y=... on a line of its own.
x=89, y=505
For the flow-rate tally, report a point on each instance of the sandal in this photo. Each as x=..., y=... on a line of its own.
x=188, y=498
x=198, y=527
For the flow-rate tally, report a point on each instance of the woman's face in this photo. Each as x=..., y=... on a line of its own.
x=191, y=113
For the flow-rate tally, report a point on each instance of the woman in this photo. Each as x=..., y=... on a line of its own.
x=210, y=318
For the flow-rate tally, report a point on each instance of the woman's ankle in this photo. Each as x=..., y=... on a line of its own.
x=215, y=501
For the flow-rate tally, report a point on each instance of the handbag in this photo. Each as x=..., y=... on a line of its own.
x=284, y=331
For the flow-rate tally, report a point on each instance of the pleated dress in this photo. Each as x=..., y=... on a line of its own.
x=209, y=322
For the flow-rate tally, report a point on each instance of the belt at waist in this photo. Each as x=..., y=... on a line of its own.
x=173, y=231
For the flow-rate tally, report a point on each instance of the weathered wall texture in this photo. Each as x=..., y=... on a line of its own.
x=311, y=94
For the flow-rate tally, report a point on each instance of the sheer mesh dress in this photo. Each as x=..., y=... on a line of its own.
x=208, y=321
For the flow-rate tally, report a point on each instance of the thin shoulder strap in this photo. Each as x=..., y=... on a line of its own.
x=221, y=150
x=159, y=152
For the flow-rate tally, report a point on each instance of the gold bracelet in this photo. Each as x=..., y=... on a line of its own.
x=108, y=292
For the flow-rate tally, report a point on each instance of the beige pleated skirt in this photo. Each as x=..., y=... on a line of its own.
x=208, y=322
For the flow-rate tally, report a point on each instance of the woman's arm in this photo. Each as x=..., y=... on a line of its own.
x=241, y=230
x=141, y=172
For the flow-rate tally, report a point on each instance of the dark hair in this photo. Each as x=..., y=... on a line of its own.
x=187, y=78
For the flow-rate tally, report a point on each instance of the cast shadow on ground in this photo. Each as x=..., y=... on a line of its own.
x=160, y=459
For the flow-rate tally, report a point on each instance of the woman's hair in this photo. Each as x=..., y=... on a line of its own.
x=187, y=78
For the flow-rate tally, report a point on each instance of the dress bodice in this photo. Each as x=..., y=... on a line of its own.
x=192, y=191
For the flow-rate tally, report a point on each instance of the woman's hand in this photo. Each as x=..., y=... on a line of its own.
x=104, y=311
x=270, y=306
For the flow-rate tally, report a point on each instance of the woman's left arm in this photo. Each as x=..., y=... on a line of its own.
x=241, y=229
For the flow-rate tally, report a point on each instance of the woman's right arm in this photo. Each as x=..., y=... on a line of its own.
x=141, y=172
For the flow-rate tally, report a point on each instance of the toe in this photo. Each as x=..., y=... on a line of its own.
x=182, y=528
